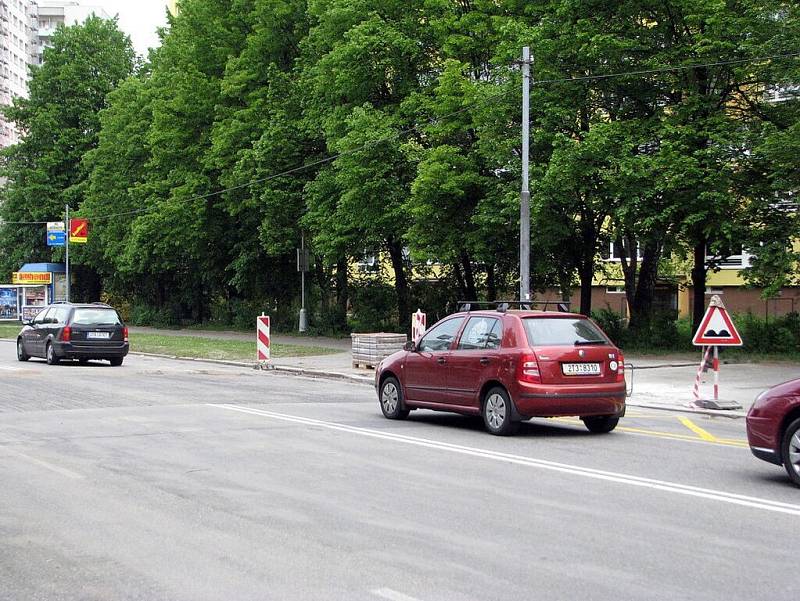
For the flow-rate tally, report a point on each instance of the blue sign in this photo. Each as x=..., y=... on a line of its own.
x=56, y=238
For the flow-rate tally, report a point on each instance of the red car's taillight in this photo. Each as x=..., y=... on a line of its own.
x=621, y=369
x=66, y=334
x=125, y=333
x=528, y=370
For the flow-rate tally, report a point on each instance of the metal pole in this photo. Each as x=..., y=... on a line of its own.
x=66, y=227
x=525, y=196
x=716, y=373
x=303, y=325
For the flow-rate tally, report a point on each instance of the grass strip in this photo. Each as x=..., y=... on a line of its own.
x=201, y=347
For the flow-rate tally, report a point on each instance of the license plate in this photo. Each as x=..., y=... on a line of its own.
x=98, y=335
x=580, y=369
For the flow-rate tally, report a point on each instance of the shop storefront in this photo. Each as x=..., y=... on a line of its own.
x=33, y=287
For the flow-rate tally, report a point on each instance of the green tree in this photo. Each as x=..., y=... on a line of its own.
x=59, y=122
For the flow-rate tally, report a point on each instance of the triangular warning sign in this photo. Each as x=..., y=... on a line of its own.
x=717, y=327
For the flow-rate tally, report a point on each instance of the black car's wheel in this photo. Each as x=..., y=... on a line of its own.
x=391, y=398
x=497, y=412
x=601, y=424
x=790, y=451
x=116, y=361
x=50, y=355
x=21, y=354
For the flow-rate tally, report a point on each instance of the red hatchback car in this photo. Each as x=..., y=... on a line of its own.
x=508, y=366
x=773, y=427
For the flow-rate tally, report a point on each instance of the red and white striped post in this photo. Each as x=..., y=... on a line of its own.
x=419, y=325
x=703, y=362
x=715, y=366
x=262, y=338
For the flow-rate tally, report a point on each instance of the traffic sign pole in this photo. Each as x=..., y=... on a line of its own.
x=716, y=373
x=716, y=329
x=67, y=247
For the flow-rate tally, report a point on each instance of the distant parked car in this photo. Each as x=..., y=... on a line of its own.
x=508, y=366
x=74, y=331
x=773, y=427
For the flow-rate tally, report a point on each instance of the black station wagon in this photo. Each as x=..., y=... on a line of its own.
x=74, y=331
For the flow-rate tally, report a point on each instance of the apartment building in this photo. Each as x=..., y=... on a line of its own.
x=52, y=13
x=17, y=52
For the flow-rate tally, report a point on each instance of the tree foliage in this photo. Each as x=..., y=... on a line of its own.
x=392, y=128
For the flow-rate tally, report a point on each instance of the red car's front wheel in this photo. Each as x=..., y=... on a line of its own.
x=391, y=398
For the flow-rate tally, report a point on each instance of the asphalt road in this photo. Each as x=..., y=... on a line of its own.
x=170, y=480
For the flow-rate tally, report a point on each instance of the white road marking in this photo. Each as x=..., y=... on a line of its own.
x=575, y=470
x=49, y=466
x=392, y=595
x=7, y=368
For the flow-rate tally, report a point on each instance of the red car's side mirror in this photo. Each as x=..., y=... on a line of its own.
x=410, y=346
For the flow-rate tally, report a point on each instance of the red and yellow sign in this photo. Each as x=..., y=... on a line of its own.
x=78, y=231
x=31, y=277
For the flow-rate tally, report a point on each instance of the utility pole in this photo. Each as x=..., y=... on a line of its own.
x=66, y=227
x=302, y=266
x=525, y=195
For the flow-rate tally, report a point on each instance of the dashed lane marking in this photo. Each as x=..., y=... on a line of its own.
x=564, y=468
x=392, y=595
x=45, y=464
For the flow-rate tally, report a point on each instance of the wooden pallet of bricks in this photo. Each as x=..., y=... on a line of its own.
x=370, y=349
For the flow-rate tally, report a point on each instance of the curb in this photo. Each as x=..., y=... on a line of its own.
x=296, y=371
x=688, y=409
x=369, y=380
x=661, y=365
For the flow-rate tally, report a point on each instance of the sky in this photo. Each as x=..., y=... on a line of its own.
x=138, y=18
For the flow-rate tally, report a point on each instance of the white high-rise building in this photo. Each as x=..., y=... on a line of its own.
x=18, y=49
x=26, y=27
x=53, y=13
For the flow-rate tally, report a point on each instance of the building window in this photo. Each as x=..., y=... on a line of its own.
x=615, y=289
x=368, y=264
x=614, y=253
x=738, y=259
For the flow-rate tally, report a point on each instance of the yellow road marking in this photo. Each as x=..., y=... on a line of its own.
x=698, y=430
x=728, y=442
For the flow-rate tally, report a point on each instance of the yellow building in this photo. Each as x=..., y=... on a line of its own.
x=674, y=291
x=172, y=5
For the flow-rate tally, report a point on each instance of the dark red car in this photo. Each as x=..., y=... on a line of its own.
x=773, y=427
x=508, y=366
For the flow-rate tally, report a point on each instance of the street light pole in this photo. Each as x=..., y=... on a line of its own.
x=302, y=265
x=525, y=195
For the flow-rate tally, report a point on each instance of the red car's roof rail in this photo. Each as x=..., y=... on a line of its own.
x=503, y=305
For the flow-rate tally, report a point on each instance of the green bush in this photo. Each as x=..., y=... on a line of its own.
x=374, y=308
x=778, y=335
x=145, y=315
x=612, y=323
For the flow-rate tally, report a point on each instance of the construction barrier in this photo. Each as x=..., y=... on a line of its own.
x=419, y=325
x=262, y=338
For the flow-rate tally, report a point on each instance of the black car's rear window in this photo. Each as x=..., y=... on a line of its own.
x=85, y=316
x=562, y=331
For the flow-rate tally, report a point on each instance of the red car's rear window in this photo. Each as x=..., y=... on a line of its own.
x=562, y=331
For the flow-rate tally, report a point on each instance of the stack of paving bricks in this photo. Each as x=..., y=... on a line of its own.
x=371, y=349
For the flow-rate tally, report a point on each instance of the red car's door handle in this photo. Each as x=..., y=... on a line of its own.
x=441, y=361
x=485, y=361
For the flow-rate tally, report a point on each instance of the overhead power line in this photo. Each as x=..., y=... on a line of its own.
x=404, y=132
